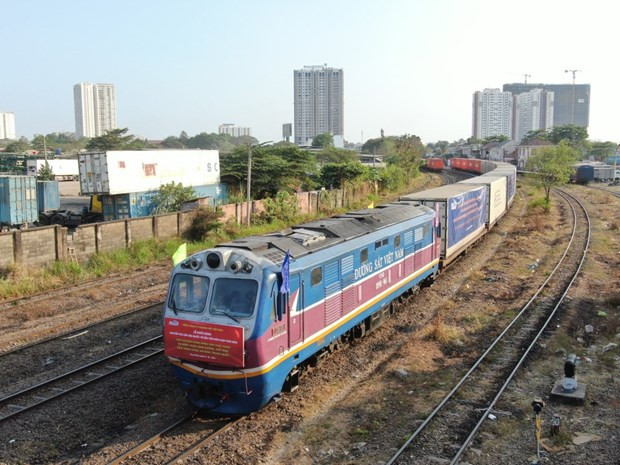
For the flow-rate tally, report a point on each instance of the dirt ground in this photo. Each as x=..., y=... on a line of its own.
x=358, y=407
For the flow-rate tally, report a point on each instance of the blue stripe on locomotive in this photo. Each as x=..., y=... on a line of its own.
x=264, y=387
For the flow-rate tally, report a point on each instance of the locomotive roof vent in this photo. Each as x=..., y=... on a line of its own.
x=307, y=237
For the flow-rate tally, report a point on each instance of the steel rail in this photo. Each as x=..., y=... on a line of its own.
x=80, y=329
x=608, y=191
x=149, y=442
x=476, y=428
x=438, y=408
x=55, y=292
x=62, y=391
x=201, y=442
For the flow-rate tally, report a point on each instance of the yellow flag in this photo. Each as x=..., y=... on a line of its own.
x=372, y=205
x=180, y=254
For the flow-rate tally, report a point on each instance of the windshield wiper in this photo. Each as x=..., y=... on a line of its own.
x=229, y=316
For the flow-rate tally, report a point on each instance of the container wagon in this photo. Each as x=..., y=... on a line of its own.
x=435, y=164
x=462, y=215
x=18, y=200
x=497, y=202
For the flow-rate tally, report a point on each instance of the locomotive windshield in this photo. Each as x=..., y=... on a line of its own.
x=234, y=297
x=189, y=293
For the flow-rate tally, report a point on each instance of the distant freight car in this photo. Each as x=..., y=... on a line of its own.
x=435, y=164
x=18, y=200
x=126, y=171
x=64, y=169
x=603, y=173
x=462, y=215
x=584, y=174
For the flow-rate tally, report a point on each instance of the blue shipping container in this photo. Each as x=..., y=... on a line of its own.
x=48, y=195
x=139, y=204
x=18, y=200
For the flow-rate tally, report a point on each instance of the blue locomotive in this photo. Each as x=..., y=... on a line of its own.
x=244, y=319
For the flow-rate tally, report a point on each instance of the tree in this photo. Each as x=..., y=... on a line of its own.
x=172, y=142
x=171, y=196
x=553, y=165
x=441, y=147
x=576, y=136
x=273, y=169
x=536, y=134
x=18, y=146
x=496, y=138
x=45, y=173
x=335, y=175
x=323, y=140
x=334, y=155
x=601, y=150
x=114, y=139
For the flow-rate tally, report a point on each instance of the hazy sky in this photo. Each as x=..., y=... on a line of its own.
x=409, y=66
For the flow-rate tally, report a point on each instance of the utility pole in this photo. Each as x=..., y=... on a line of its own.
x=45, y=150
x=249, y=188
x=574, y=71
x=527, y=76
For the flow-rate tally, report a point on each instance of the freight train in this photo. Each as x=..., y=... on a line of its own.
x=244, y=319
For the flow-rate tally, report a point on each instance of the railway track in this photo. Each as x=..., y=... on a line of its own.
x=41, y=393
x=452, y=426
x=64, y=290
x=609, y=191
x=78, y=331
x=177, y=441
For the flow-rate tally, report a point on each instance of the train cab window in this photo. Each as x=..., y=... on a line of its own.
x=397, y=241
x=377, y=245
x=189, y=293
x=385, y=241
x=316, y=276
x=234, y=297
x=364, y=255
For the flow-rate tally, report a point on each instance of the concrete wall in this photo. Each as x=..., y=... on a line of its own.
x=38, y=247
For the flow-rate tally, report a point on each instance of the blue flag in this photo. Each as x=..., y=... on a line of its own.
x=284, y=288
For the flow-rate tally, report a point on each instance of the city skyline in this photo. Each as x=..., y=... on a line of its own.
x=414, y=74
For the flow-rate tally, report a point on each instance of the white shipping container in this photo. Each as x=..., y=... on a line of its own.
x=64, y=168
x=497, y=203
x=127, y=171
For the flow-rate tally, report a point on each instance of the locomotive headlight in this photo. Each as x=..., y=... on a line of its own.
x=213, y=260
x=236, y=266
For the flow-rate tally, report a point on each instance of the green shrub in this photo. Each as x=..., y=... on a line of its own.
x=283, y=207
x=540, y=203
x=205, y=220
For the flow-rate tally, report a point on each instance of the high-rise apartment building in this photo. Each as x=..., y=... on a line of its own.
x=532, y=110
x=570, y=105
x=492, y=114
x=95, y=109
x=7, y=126
x=319, y=102
x=233, y=130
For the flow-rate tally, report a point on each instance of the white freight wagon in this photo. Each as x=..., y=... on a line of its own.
x=127, y=171
x=65, y=169
x=497, y=202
